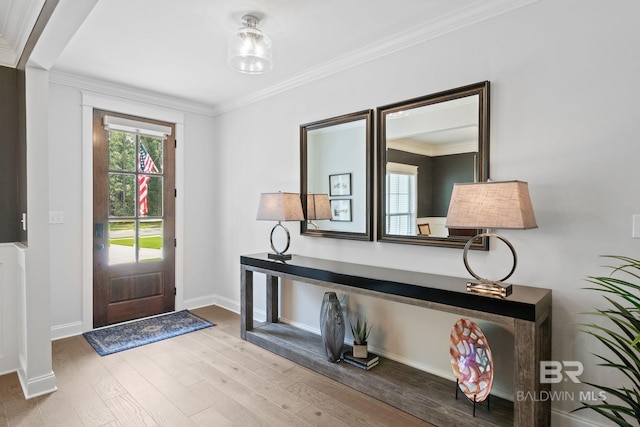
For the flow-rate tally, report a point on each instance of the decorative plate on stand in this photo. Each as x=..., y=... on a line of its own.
x=471, y=360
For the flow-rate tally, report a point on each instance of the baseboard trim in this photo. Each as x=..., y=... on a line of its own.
x=8, y=371
x=307, y=328
x=223, y=302
x=34, y=387
x=566, y=419
x=227, y=303
x=234, y=306
x=204, y=301
x=8, y=364
x=65, y=331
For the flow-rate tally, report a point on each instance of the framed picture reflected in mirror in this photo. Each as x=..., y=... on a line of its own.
x=341, y=210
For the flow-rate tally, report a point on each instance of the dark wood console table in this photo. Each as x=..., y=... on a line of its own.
x=526, y=312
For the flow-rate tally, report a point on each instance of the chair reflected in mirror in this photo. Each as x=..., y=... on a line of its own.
x=424, y=229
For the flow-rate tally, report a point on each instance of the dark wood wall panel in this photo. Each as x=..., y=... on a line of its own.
x=22, y=153
x=9, y=156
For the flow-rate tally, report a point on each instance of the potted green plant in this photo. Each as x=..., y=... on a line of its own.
x=621, y=289
x=360, y=334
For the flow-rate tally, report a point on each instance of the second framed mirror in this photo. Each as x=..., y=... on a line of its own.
x=425, y=145
x=336, y=176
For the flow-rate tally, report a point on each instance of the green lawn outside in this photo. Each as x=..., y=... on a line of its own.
x=128, y=225
x=149, y=242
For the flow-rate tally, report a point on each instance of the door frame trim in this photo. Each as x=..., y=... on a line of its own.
x=90, y=101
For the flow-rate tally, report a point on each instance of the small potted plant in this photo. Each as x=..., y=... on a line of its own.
x=360, y=334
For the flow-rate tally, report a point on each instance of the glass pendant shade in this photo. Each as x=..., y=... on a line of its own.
x=249, y=50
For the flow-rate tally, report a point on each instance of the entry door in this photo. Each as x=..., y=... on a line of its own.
x=133, y=215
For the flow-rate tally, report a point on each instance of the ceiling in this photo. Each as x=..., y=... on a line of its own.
x=178, y=48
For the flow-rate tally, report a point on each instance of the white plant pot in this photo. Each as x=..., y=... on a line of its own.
x=360, y=351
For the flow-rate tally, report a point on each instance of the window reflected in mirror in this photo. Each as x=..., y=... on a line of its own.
x=402, y=195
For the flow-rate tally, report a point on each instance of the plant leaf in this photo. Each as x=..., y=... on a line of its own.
x=623, y=341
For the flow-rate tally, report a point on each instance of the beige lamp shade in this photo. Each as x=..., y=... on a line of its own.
x=500, y=204
x=318, y=206
x=280, y=207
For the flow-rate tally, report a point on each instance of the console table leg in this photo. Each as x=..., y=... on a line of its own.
x=246, y=302
x=532, y=344
x=272, y=298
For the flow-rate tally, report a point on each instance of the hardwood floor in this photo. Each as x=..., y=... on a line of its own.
x=205, y=378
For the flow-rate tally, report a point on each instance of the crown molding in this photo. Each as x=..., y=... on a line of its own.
x=14, y=31
x=129, y=93
x=8, y=56
x=479, y=11
x=432, y=150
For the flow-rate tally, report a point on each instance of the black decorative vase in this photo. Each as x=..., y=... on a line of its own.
x=332, y=326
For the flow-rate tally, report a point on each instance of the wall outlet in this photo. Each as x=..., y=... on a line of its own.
x=635, y=232
x=56, y=217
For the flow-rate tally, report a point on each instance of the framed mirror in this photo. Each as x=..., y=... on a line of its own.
x=336, y=176
x=425, y=145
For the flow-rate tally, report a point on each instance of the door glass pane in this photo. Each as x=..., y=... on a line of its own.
x=122, y=242
x=122, y=151
x=150, y=190
x=135, y=198
x=150, y=239
x=150, y=154
x=122, y=196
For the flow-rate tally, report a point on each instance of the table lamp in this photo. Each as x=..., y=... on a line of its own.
x=280, y=207
x=318, y=207
x=490, y=205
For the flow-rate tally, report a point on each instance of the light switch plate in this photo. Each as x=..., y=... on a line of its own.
x=635, y=233
x=56, y=217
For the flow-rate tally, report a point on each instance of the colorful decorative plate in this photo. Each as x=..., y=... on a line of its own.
x=471, y=360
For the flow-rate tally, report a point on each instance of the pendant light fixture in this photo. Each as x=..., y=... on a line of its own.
x=249, y=50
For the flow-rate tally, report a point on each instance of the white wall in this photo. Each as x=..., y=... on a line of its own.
x=563, y=117
x=65, y=194
x=340, y=152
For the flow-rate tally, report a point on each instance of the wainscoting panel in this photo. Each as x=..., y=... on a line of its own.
x=8, y=304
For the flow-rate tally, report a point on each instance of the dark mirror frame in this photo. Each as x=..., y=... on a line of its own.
x=482, y=90
x=367, y=115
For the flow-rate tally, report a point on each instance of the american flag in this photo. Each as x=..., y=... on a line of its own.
x=145, y=165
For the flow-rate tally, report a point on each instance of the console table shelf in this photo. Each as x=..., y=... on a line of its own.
x=526, y=312
x=424, y=395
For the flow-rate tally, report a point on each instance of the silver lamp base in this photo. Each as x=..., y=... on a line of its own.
x=279, y=257
x=484, y=286
x=491, y=289
x=276, y=254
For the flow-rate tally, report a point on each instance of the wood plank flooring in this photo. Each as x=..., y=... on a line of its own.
x=206, y=378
